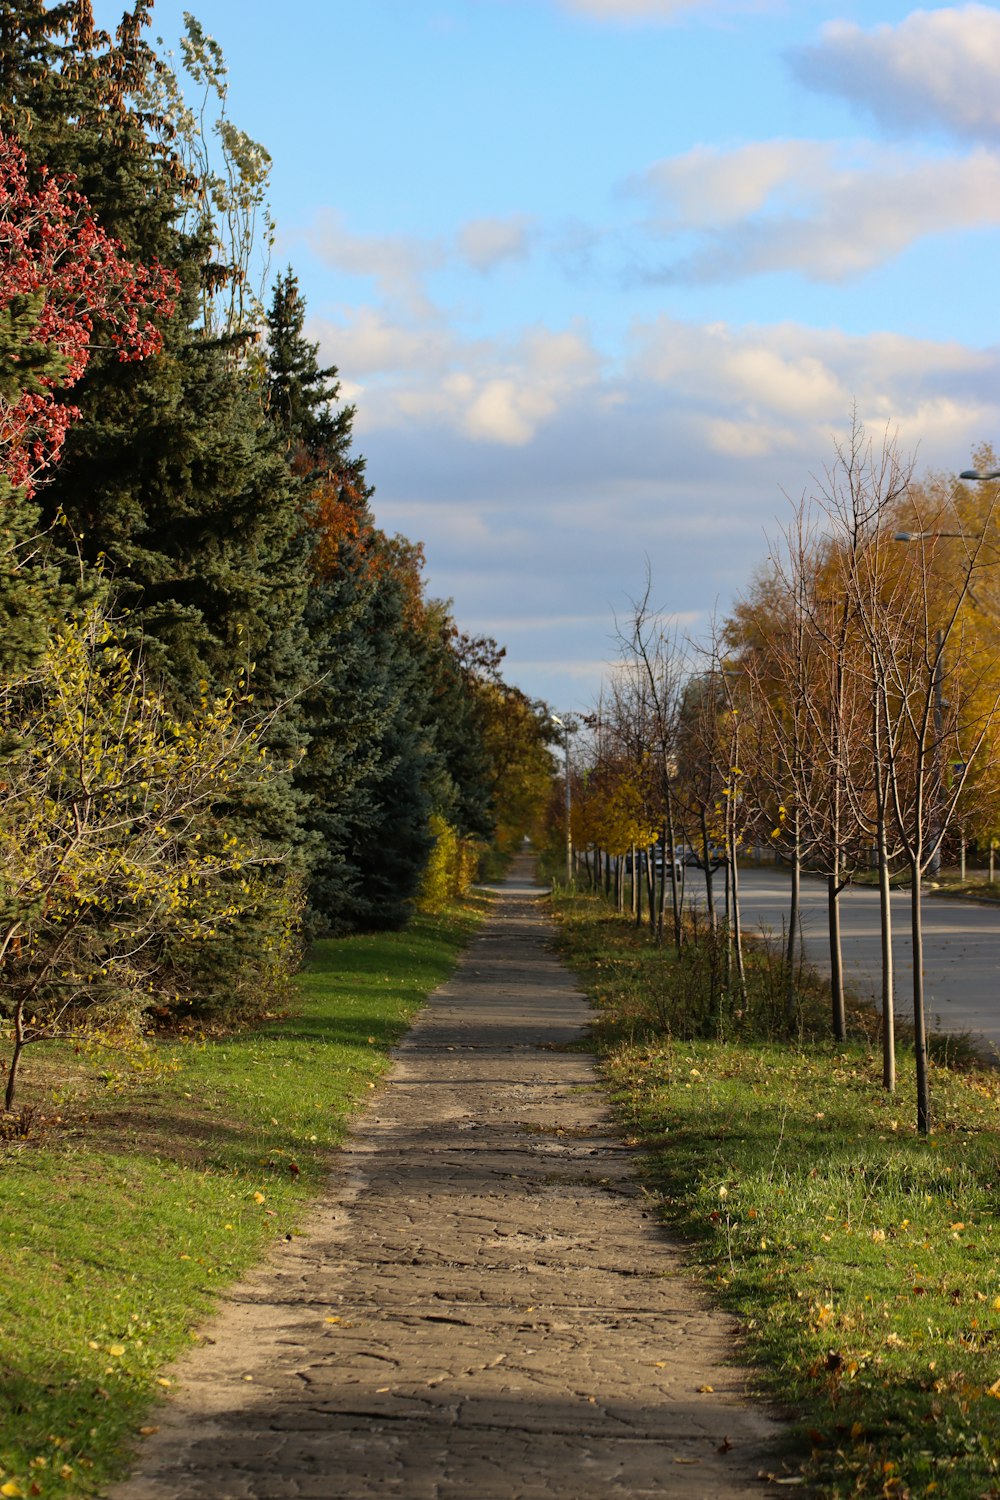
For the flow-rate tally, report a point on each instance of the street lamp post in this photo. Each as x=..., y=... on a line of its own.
x=569, y=808
x=934, y=868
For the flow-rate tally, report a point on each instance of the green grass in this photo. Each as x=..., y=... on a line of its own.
x=862, y=1261
x=137, y=1198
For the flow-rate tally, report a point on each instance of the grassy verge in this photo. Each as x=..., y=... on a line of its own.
x=137, y=1196
x=862, y=1260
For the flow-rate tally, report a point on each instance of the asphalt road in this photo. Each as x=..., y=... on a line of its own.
x=961, y=945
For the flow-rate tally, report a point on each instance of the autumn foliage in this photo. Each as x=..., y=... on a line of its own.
x=64, y=286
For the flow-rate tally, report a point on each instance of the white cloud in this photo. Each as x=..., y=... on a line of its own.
x=827, y=211
x=541, y=477
x=487, y=391
x=370, y=341
x=660, y=10
x=708, y=186
x=397, y=263
x=937, y=69
x=486, y=243
x=760, y=392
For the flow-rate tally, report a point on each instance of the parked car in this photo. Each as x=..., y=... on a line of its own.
x=656, y=853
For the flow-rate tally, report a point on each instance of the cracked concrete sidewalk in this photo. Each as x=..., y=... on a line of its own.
x=483, y=1306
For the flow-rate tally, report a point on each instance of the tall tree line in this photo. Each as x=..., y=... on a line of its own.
x=209, y=501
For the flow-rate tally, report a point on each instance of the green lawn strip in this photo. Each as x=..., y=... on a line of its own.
x=149, y=1196
x=862, y=1261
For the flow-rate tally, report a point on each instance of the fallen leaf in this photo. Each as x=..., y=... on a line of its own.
x=117, y=1350
x=687, y=1460
x=706, y=1389
x=147, y=1431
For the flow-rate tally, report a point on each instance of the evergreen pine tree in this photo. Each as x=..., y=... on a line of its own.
x=174, y=477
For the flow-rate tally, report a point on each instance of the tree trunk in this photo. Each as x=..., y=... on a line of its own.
x=888, y=999
x=676, y=888
x=919, y=1018
x=705, y=846
x=15, y=1057
x=836, y=955
x=794, y=908
x=737, y=928
x=662, y=905
x=884, y=888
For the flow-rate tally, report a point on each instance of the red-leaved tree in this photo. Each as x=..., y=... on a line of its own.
x=65, y=288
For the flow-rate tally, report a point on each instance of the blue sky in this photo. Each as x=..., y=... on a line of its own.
x=604, y=278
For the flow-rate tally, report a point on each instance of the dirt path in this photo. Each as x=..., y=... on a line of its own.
x=483, y=1309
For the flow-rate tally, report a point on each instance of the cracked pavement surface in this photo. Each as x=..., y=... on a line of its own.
x=483, y=1307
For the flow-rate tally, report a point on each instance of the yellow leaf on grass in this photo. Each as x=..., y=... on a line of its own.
x=11, y=1488
x=258, y=1197
x=117, y=1350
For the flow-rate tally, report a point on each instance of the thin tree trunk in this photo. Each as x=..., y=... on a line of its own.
x=794, y=908
x=662, y=906
x=676, y=889
x=705, y=846
x=836, y=955
x=919, y=1018
x=884, y=887
x=15, y=1057
x=737, y=929
x=888, y=1000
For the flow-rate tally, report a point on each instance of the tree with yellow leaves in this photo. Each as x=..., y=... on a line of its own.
x=118, y=864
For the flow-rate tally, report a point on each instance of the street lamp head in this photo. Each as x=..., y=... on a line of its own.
x=980, y=474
